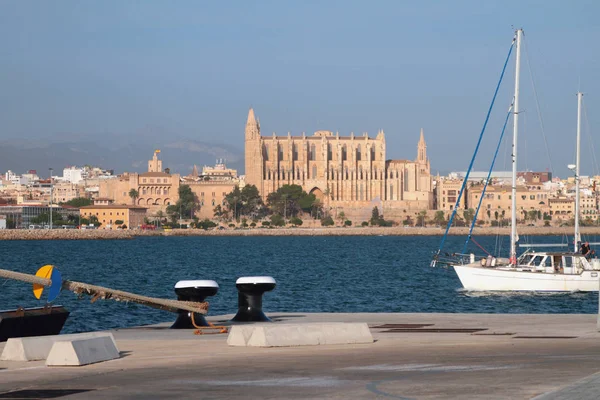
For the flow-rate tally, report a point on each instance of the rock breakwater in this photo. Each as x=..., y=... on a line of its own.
x=75, y=234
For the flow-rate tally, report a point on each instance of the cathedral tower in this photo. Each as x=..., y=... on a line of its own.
x=423, y=167
x=422, y=150
x=253, y=155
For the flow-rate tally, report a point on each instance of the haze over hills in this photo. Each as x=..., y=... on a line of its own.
x=119, y=153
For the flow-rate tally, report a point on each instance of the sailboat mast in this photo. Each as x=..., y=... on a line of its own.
x=513, y=226
x=577, y=237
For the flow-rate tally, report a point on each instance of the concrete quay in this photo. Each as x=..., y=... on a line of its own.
x=416, y=356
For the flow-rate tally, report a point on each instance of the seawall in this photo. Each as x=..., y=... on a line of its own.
x=75, y=234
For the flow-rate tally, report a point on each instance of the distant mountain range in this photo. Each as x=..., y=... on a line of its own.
x=113, y=152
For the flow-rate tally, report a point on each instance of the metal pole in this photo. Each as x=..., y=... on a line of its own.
x=513, y=228
x=577, y=237
x=51, y=199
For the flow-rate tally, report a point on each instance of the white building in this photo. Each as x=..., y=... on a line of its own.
x=2, y=222
x=73, y=175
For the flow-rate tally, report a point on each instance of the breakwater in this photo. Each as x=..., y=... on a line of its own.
x=75, y=234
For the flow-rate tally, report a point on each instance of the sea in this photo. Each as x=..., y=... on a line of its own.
x=326, y=274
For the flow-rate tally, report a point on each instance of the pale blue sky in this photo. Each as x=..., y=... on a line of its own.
x=192, y=68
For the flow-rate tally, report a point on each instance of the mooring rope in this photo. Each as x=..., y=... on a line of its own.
x=99, y=292
x=18, y=276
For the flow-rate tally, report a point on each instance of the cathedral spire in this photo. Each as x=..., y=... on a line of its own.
x=422, y=149
x=252, y=126
x=251, y=117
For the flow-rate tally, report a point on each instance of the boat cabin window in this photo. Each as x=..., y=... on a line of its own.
x=557, y=261
x=527, y=259
x=568, y=261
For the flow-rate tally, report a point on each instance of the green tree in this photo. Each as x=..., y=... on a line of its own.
x=79, y=202
x=205, y=224
x=469, y=215
x=134, y=194
x=11, y=222
x=327, y=221
x=218, y=212
x=246, y=201
x=347, y=223
x=375, y=217
x=94, y=220
x=342, y=216
x=277, y=220
x=532, y=215
x=439, y=217
x=233, y=201
x=295, y=221
x=185, y=205
x=421, y=218
x=289, y=200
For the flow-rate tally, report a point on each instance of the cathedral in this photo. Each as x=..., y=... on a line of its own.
x=346, y=173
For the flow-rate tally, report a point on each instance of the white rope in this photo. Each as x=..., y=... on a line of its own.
x=591, y=139
x=537, y=106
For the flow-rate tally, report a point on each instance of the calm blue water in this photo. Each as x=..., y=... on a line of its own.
x=314, y=274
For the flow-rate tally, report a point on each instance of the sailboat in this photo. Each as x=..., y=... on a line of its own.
x=532, y=271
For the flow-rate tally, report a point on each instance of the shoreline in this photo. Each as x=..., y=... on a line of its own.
x=71, y=234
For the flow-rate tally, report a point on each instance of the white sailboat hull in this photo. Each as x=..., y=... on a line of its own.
x=477, y=278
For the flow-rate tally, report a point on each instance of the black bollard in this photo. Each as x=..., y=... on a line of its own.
x=250, y=292
x=193, y=291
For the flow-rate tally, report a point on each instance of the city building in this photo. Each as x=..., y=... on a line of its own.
x=108, y=214
x=22, y=215
x=446, y=193
x=349, y=173
x=211, y=187
x=73, y=175
x=156, y=188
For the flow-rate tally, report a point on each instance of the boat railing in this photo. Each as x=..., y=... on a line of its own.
x=447, y=259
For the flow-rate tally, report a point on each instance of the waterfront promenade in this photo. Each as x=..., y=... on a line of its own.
x=450, y=356
x=75, y=234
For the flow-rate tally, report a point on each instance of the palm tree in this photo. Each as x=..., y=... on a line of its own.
x=134, y=194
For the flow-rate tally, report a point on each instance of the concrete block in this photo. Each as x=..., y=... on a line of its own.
x=82, y=351
x=38, y=347
x=274, y=335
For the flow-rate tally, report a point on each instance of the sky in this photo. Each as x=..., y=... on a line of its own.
x=193, y=68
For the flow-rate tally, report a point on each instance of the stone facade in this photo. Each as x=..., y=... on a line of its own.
x=132, y=216
x=211, y=187
x=345, y=173
x=156, y=189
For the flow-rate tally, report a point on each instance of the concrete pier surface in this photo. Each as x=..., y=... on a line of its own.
x=414, y=356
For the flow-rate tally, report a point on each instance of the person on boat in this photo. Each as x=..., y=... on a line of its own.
x=585, y=248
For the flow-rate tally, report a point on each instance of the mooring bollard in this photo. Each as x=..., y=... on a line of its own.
x=193, y=291
x=250, y=292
